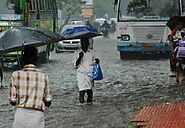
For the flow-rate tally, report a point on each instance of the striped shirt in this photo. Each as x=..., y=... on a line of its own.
x=29, y=88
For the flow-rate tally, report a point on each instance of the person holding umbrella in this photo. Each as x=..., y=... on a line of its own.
x=29, y=92
x=83, y=62
x=83, y=59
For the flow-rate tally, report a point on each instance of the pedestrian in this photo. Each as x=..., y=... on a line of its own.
x=29, y=92
x=88, y=23
x=174, y=37
x=105, y=25
x=83, y=62
x=112, y=26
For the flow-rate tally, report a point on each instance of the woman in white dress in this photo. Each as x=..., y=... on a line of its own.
x=83, y=62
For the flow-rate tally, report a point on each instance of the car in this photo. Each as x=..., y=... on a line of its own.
x=72, y=44
x=78, y=22
x=100, y=20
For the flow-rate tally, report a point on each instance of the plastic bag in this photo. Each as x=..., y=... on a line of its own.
x=97, y=72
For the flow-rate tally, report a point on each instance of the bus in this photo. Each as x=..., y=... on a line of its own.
x=28, y=13
x=142, y=32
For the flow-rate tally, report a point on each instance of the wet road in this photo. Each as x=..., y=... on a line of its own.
x=127, y=86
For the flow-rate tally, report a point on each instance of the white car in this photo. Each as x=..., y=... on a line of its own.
x=70, y=45
x=77, y=22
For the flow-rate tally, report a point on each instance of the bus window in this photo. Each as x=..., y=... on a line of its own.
x=139, y=10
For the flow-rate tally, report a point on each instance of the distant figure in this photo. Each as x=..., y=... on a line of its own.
x=180, y=47
x=179, y=53
x=105, y=29
x=112, y=26
x=88, y=23
x=105, y=25
x=83, y=62
x=29, y=92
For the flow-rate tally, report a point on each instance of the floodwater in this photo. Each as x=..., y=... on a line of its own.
x=127, y=86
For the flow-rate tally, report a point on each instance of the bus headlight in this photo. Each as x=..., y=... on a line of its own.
x=124, y=37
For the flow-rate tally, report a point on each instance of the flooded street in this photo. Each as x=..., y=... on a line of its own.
x=127, y=86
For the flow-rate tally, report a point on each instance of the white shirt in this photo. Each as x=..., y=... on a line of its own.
x=84, y=69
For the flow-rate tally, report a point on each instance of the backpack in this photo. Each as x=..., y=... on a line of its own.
x=181, y=49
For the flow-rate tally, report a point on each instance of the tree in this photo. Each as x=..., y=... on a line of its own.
x=102, y=8
x=69, y=8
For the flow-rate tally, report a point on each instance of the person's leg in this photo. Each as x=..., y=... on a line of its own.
x=172, y=66
x=89, y=95
x=81, y=96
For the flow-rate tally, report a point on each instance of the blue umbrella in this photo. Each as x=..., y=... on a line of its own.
x=80, y=32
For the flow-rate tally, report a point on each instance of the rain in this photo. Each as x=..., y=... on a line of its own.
x=128, y=84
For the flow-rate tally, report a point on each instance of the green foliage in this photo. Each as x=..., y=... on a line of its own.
x=103, y=7
x=69, y=8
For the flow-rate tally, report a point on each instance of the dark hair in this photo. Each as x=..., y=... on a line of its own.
x=182, y=34
x=84, y=40
x=84, y=44
x=97, y=60
x=30, y=55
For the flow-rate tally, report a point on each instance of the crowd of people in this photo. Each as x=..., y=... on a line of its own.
x=110, y=27
x=177, y=44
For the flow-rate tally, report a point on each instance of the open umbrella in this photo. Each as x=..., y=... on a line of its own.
x=54, y=36
x=16, y=38
x=173, y=21
x=80, y=32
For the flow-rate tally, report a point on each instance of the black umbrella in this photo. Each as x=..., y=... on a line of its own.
x=16, y=38
x=173, y=21
x=54, y=36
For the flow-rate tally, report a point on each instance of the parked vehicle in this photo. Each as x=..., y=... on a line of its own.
x=100, y=20
x=141, y=27
x=78, y=22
